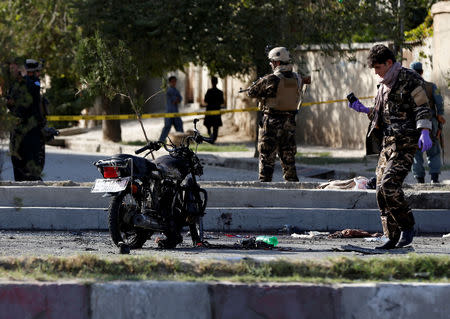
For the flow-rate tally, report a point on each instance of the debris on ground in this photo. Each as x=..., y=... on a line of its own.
x=245, y=243
x=373, y=251
x=237, y=236
x=356, y=183
x=446, y=235
x=289, y=229
x=353, y=233
x=269, y=240
x=206, y=235
x=310, y=235
x=382, y=239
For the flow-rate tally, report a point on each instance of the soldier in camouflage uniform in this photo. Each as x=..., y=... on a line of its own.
x=401, y=118
x=278, y=94
x=27, y=146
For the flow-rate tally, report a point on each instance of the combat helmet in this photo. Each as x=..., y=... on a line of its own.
x=279, y=54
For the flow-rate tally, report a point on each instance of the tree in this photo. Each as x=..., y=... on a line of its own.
x=230, y=36
x=107, y=70
x=44, y=29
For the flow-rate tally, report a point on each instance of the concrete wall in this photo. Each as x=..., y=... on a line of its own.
x=441, y=59
x=332, y=78
x=422, y=52
x=160, y=299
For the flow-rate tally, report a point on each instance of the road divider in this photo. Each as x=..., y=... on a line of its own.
x=56, y=118
x=169, y=299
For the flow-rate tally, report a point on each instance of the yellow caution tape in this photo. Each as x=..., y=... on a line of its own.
x=155, y=115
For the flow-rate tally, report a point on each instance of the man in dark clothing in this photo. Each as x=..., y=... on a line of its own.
x=402, y=118
x=27, y=146
x=214, y=101
x=278, y=95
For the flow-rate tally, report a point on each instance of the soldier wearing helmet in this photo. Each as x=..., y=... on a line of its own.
x=278, y=94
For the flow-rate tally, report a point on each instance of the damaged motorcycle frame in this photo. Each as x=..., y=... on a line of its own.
x=160, y=195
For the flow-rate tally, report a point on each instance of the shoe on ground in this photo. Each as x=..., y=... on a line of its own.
x=390, y=244
x=406, y=237
x=124, y=249
x=420, y=180
x=434, y=178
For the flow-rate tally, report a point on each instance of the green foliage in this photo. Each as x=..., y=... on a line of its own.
x=89, y=267
x=40, y=29
x=63, y=100
x=424, y=30
x=105, y=68
x=110, y=46
x=379, y=20
x=43, y=29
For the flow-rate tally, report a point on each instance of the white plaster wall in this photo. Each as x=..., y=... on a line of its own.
x=441, y=60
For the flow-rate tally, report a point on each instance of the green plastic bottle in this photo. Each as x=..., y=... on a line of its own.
x=271, y=240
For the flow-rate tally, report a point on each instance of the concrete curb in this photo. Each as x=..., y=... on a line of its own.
x=225, y=219
x=80, y=196
x=154, y=299
x=229, y=209
x=44, y=300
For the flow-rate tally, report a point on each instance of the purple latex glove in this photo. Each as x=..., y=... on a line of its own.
x=358, y=107
x=425, y=142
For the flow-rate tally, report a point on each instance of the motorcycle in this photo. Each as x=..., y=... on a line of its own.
x=160, y=195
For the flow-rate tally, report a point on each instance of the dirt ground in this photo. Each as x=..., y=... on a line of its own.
x=57, y=243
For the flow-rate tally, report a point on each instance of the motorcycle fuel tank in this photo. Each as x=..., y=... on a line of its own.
x=171, y=167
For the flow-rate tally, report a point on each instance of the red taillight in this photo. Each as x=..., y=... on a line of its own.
x=110, y=172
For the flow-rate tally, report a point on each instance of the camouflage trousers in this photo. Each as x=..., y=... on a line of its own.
x=394, y=164
x=277, y=136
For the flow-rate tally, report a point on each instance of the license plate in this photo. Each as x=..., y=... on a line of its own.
x=110, y=185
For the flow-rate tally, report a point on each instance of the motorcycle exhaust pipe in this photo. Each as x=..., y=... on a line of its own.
x=143, y=221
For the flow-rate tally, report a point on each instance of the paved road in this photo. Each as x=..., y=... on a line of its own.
x=64, y=164
x=14, y=243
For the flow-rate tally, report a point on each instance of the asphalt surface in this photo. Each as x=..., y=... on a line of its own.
x=25, y=243
x=64, y=164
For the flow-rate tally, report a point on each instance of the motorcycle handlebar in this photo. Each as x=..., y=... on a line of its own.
x=152, y=146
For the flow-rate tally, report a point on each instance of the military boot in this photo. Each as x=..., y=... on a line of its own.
x=391, y=231
x=406, y=237
x=434, y=178
x=390, y=244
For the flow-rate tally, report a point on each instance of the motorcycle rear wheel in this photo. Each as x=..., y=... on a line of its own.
x=121, y=231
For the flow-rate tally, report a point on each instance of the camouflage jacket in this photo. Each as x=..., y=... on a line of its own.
x=406, y=110
x=266, y=87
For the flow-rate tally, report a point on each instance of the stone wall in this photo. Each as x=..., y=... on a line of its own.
x=332, y=78
x=441, y=60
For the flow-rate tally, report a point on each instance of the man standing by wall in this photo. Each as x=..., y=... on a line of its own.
x=434, y=153
x=402, y=117
x=278, y=95
x=214, y=101
x=173, y=98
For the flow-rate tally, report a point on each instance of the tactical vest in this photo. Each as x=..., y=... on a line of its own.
x=287, y=94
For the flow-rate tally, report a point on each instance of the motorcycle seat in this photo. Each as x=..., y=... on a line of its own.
x=141, y=166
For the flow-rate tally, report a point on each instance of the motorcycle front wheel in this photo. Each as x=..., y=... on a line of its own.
x=121, y=231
